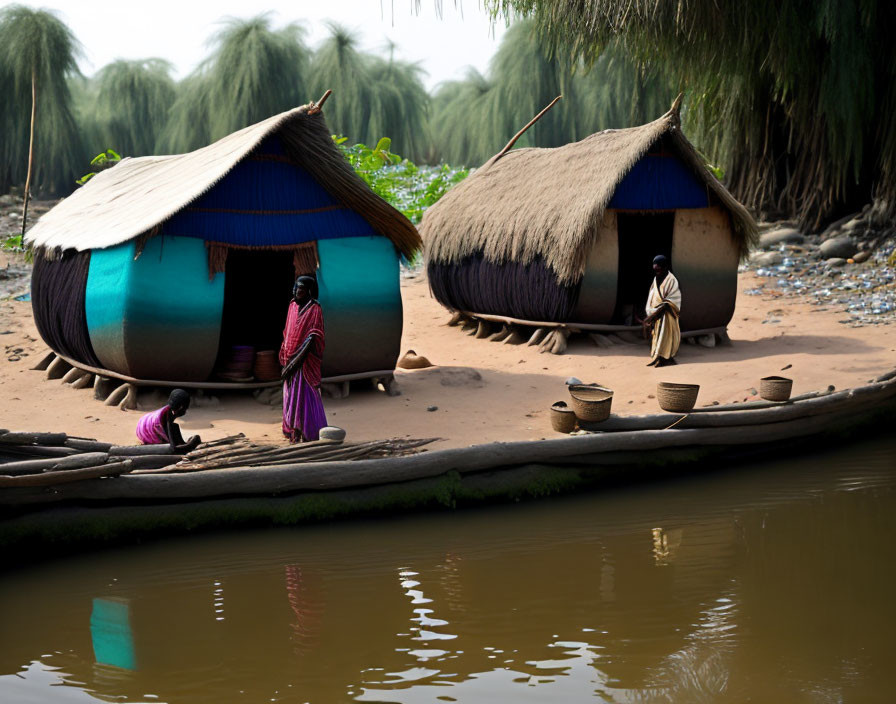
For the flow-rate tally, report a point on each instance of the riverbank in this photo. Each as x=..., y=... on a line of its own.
x=481, y=391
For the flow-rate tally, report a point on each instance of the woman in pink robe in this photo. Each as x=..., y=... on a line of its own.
x=303, y=344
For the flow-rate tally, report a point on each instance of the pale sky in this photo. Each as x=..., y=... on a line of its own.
x=179, y=30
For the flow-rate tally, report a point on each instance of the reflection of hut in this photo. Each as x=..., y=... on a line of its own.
x=568, y=234
x=160, y=263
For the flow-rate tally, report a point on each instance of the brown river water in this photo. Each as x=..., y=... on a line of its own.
x=772, y=582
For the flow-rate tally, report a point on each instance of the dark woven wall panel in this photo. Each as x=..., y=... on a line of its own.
x=530, y=292
x=57, y=301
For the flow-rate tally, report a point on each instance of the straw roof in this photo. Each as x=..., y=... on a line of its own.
x=548, y=203
x=141, y=193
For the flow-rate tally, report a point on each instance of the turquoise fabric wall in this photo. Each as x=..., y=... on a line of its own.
x=157, y=316
x=361, y=301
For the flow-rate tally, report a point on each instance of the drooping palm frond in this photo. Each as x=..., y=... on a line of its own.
x=132, y=103
x=35, y=45
x=523, y=77
x=794, y=96
x=254, y=72
x=372, y=97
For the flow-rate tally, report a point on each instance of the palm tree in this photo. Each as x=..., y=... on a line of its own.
x=472, y=119
x=253, y=72
x=37, y=54
x=372, y=97
x=796, y=97
x=132, y=103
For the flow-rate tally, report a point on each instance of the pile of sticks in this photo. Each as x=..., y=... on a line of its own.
x=45, y=459
x=237, y=451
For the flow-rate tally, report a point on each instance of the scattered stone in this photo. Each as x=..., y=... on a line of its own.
x=752, y=392
x=785, y=368
x=573, y=380
x=459, y=376
x=835, y=261
x=862, y=256
x=706, y=340
x=432, y=408
x=768, y=259
x=841, y=247
x=781, y=235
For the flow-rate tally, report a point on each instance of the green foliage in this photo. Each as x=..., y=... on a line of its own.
x=474, y=118
x=253, y=72
x=404, y=185
x=132, y=103
x=795, y=97
x=107, y=158
x=371, y=96
x=36, y=46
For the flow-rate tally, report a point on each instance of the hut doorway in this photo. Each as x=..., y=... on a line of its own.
x=257, y=290
x=642, y=236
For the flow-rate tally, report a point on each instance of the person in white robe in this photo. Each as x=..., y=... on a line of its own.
x=663, y=308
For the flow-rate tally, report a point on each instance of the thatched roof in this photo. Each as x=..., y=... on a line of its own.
x=141, y=193
x=548, y=203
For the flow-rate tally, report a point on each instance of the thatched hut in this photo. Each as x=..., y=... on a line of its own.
x=157, y=267
x=567, y=235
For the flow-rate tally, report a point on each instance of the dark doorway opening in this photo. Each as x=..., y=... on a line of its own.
x=642, y=236
x=257, y=291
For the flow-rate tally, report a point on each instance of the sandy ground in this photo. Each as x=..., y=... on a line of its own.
x=480, y=391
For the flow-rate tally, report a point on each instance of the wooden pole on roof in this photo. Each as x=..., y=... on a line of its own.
x=315, y=107
x=528, y=125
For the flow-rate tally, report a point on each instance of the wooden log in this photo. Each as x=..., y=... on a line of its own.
x=129, y=402
x=887, y=376
x=72, y=375
x=502, y=334
x=138, y=450
x=851, y=398
x=750, y=405
x=35, y=451
x=79, y=461
x=113, y=469
x=537, y=336
x=456, y=319
x=335, y=475
x=516, y=336
x=149, y=461
x=87, y=445
x=24, y=438
x=58, y=368
x=118, y=395
x=391, y=386
x=483, y=329
x=83, y=381
x=102, y=387
x=44, y=362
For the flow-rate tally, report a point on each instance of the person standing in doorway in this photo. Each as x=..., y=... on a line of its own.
x=301, y=354
x=663, y=308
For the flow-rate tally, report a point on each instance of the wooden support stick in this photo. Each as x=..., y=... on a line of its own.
x=320, y=103
x=520, y=133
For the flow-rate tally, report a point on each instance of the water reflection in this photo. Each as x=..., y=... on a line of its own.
x=769, y=585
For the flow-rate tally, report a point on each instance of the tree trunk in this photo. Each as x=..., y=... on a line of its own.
x=30, y=152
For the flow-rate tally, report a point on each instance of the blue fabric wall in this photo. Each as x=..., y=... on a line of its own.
x=659, y=183
x=265, y=201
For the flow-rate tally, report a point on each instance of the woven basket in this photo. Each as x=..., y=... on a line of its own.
x=775, y=388
x=591, y=403
x=677, y=398
x=563, y=418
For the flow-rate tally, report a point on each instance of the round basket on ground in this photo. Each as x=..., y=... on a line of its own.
x=677, y=398
x=775, y=388
x=591, y=402
x=563, y=418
